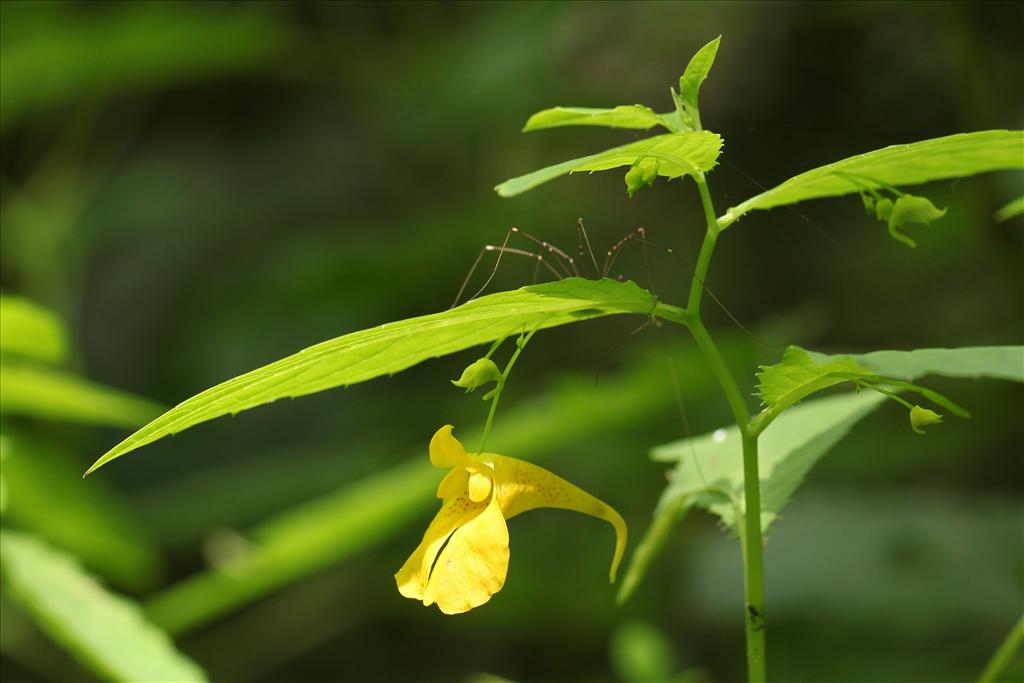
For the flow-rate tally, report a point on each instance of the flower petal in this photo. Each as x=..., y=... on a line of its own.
x=454, y=484
x=479, y=487
x=472, y=567
x=522, y=486
x=413, y=576
x=446, y=451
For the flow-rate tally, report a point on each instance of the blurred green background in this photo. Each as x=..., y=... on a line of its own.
x=198, y=189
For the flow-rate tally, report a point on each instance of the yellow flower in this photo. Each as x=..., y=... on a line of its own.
x=463, y=557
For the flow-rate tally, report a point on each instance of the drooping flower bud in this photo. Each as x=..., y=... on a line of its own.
x=634, y=180
x=919, y=417
x=883, y=209
x=910, y=208
x=479, y=373
x=650, y=174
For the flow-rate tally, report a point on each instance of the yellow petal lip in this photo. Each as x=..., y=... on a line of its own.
x=473, y=565
x=413, y=577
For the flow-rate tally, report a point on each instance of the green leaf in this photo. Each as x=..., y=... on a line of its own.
x=396, y=346
x=106, y=632
x=635, y=116
x=1011, y=210
x=709, y=469
x=689, y=83
x=801, y=373
x=971, y=362
x=909, y=208
x=650, y=546
x=787, y=450
x=673, y=120
x=798, y=376
x=46, y=495
x=952, y=156
x=31, y=331
x=679, y=154
x=56, y=395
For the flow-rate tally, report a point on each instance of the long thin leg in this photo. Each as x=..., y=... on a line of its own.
x=521, y=252
x=474, y=266
x=613, y=253
x=667, y=250
x=647, y=263
x=581, y=237
x=552, y=249
x=541, y=261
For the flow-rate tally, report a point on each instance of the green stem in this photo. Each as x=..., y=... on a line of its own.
x=713, y=356
x=753, y=568
x=752, y=543
x=885, y=392
x=700, y=271
x=1004, y=655
x=520, y=345
x=673, y=314
x=490, y=415
x=494, y=346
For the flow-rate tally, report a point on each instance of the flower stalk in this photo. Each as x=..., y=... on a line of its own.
x=521, y=343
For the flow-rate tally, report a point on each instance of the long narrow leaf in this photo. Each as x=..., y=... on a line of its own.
x=396, y=346
x=953, y=156
x=971, y=362
x=689, y=83
x=676, y=154
x=634, y=116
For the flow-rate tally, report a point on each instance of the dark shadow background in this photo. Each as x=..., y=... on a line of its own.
x=203, y=188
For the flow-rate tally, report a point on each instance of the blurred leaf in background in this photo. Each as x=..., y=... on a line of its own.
x=31, y=331
x=45, y=494
x=55, y=55
x=34, y=338
x=107, y=633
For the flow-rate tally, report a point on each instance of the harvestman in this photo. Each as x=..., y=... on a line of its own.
x=561, y=264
